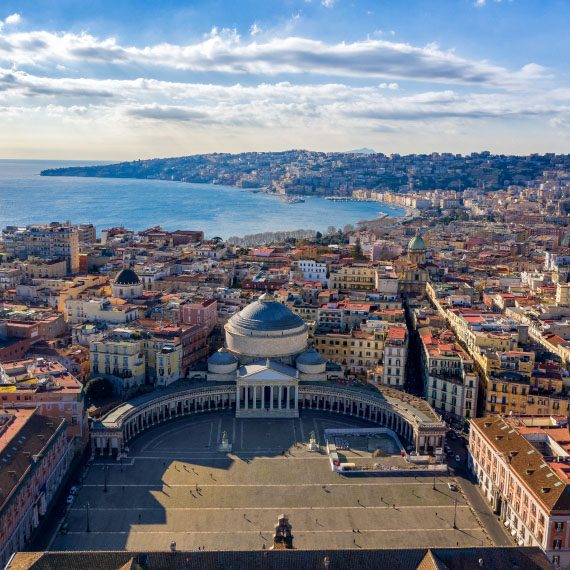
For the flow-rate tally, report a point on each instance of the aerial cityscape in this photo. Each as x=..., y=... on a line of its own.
x=284, y=285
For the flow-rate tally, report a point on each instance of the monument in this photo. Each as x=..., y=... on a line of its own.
x=283, y=537
x=225, y=445
x=313, y=445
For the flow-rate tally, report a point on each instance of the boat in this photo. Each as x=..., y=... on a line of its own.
x=293, y=199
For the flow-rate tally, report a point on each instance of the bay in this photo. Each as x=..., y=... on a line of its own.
x=27, y=198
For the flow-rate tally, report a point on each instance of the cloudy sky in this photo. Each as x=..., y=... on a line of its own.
x=127, y=79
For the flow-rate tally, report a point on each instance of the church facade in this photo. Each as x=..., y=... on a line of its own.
x=267, y=355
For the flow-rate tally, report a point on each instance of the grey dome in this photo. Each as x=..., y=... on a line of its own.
x=310, y=358
x=266, y=314
x=127, y=277
x=222, y=357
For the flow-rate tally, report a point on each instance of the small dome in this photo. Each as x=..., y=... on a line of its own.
x=127, y=277
x=417, y=243
x=222, y=357
x=266, y=314
x=310, y=358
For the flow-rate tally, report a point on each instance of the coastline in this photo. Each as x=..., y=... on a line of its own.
x=138, y=203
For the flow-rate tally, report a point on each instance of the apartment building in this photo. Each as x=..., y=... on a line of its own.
x=119, y=357
x=99, y=311
x=36, y=456
x=450, y=383
x=309, y=270
x=53, y=241
x=354, y=277
x=49, y=386
x=395, y=356
x=522, y=466
x=201, y=313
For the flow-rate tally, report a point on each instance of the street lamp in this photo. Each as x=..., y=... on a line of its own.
x=105, y=469
x=88, y=529
x=455, y=515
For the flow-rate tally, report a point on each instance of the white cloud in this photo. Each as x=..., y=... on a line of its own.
x=13, y=19
x=480, y=3
x=328, y=3
x=254, y=29
x=224, y=51
x=392, y=86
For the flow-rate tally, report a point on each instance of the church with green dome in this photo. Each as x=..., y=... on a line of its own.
x=414, y=274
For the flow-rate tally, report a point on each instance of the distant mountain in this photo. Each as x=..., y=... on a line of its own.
x=363, y=150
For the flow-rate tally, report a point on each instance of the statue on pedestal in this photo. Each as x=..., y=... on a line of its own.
x=313, y=445
x=283, y=537
x=225, y=446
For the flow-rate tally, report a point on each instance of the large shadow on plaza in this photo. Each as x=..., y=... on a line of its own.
x=167, y=465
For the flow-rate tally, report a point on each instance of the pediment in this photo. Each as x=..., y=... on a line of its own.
x=267, y=375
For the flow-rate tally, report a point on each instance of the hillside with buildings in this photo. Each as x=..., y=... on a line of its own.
x=328, y=174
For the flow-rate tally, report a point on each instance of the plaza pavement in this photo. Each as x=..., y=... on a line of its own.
x=175, y=486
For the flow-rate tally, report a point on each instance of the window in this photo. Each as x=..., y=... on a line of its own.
x=557, y=543
x=559, y=526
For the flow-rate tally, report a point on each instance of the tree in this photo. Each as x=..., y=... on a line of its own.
x=331, y=230
x=357, y=251
x=348, y=228
x=99, y=389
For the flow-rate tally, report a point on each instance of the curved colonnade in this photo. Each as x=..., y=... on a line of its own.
x=110, y=434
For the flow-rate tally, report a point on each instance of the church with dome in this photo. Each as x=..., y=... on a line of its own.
x=267, y=355
x=414, y=274
x=127, y=285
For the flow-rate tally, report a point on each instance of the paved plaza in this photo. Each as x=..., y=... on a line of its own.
x=175, y=486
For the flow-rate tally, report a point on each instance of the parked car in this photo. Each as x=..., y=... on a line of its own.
x=452, y=486
x=64, y=528
x=74, y=490
x=70, y=499
x=457, y=458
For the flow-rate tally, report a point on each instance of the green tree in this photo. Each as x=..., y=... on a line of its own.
x=99, y=389
x=357, y=250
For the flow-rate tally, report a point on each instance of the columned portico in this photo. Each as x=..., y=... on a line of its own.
x=268, y=389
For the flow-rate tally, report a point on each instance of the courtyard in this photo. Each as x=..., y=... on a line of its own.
x=175, y=486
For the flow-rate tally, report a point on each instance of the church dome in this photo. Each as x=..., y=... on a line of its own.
x=417, y=243
x=310, y=357
x=266, y=329
x=266, y=314
x=222, y=357
x=127, y=277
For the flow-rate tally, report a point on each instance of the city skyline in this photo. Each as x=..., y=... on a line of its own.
x=80, y=82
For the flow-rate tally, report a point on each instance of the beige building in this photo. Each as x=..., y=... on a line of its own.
x=99, y=310
x=53, y=241
x=119, y=357
x=354, y=277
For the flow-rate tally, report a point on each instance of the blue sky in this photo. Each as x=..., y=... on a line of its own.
x=133, y=79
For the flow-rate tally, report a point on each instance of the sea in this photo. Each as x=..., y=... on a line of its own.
x=224, y=211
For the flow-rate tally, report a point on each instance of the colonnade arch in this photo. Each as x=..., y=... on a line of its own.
x=114, y=431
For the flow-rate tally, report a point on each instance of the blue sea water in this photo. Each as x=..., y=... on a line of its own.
x=27, y=198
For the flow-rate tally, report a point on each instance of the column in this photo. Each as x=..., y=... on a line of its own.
x=245, y=397
x=296, y=394
x=263, y=397
x=271, y=398
x=255, y=397
x=238, y=390
x=288, y=388
x=280, y=397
